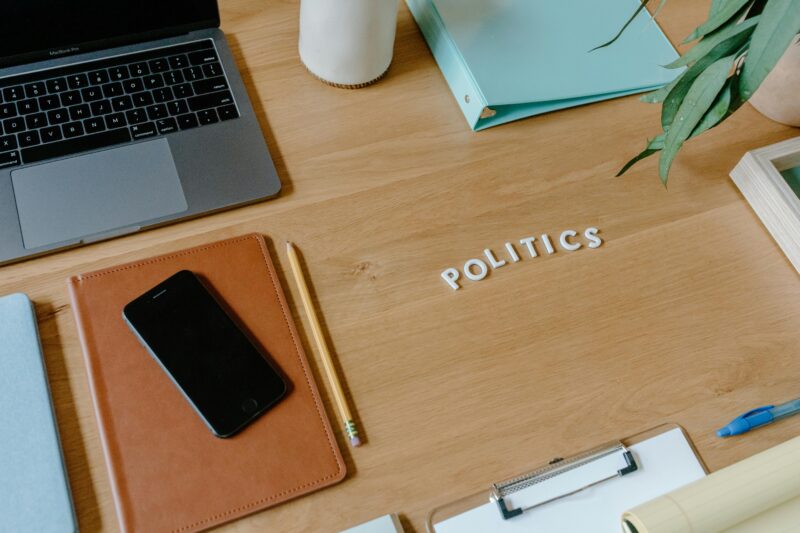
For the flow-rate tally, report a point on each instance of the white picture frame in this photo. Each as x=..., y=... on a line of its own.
x=759, y=177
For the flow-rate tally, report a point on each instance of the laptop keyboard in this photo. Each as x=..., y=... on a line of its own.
x=64, y=111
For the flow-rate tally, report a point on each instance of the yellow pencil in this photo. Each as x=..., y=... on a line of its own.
x=327, y=361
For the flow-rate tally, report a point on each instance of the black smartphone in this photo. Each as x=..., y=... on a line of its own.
x=210, y=359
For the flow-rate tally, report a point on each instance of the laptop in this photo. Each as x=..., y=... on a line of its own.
x=118, y=116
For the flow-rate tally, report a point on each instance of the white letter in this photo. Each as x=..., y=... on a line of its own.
x=482, y=269
x=450, y=276
x=528, y=241
x=547, y=244
x=591, y=234
x=492, y=259
x=512, y=252
x=565, y=244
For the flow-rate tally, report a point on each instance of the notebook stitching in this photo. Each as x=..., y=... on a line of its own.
x=83, y=277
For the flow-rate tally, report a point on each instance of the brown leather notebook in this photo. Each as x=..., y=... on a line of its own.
x=168, y=472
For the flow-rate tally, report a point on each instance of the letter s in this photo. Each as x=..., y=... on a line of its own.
x=591, y=236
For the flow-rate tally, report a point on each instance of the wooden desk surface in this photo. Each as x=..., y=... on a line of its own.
x=688, y=313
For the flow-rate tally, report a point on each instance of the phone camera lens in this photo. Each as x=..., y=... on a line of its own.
x=249, y=405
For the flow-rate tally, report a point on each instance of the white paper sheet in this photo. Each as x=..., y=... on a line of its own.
x=666, y=462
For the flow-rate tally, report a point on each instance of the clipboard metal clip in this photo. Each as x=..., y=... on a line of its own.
x=500, y=491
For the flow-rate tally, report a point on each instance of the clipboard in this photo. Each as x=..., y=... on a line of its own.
x=592, y=487
x=508, y=60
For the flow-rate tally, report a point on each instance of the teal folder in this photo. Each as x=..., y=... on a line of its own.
x=34, y=492
x=509, y=59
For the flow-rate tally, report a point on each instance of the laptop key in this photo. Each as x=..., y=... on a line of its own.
x=73, y=146
x=112, y=89
x=210, y=85
x=9, y=159
x=77, y=81
x=122, y=103
x=29, y=138
x=212, y=69
x=139, y=69
x=51, y=134
x=34, y=90
x=9, y=142
x=102, y=107
x=158, y=65
x=193, y=74
x=116, y=120
x=93, y=125
x=142, y=99
x=90, y=94
x=162, y=95
x=179, y=61
x=99, y=77
x=173, y=77
x=57, y=116
x=136, y=116
x=12, y=94
x=27, y=107
x=73, y=129
x=141, y=131
x=177, y=107
x=133, y=85
x=184, y=90
x=14, y=125
x=79, y=112
x=71, y=98
x=187, y=121
x=227, y=112
x=166, y=125
x=203, y=56
x=153, y=81
x=205, y=101
x=8, y=110
x=36, y=121
x=118, y=73
x=56, y=85
x=157, y=111
x=207, y=116
x=51, y=101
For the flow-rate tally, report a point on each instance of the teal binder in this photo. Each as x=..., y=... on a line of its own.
x=34, y=491
x=509, y=59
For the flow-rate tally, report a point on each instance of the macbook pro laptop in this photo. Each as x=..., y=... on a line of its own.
x=117, y=116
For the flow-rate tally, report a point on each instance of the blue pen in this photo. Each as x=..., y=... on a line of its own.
x=759, y=417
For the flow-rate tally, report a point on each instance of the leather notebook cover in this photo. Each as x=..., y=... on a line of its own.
x=34, y=491
x=168, y=472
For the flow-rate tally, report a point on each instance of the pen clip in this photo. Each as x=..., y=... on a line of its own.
x=754, y=411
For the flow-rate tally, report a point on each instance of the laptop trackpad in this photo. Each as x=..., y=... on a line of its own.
x=97, y=193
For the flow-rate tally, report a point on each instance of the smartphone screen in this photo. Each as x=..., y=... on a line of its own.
x=209, y=358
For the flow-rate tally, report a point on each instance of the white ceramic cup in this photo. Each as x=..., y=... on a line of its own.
x=347, y=43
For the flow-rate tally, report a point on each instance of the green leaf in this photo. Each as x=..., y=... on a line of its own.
x=715, y=7
x=709, y=42
x=658, y=96
x=780, y=22
x=724, y=12
x=624, y=27
x=676, y=96
x=653, y=146
x=718, y=110
x=699, y=99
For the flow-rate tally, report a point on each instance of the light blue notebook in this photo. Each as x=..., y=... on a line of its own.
x=509, y=59
x=34, y=492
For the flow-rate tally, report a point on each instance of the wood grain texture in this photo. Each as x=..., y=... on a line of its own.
x=686, y=314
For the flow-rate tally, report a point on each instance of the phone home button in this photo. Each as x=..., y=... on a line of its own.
x=249, y=405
